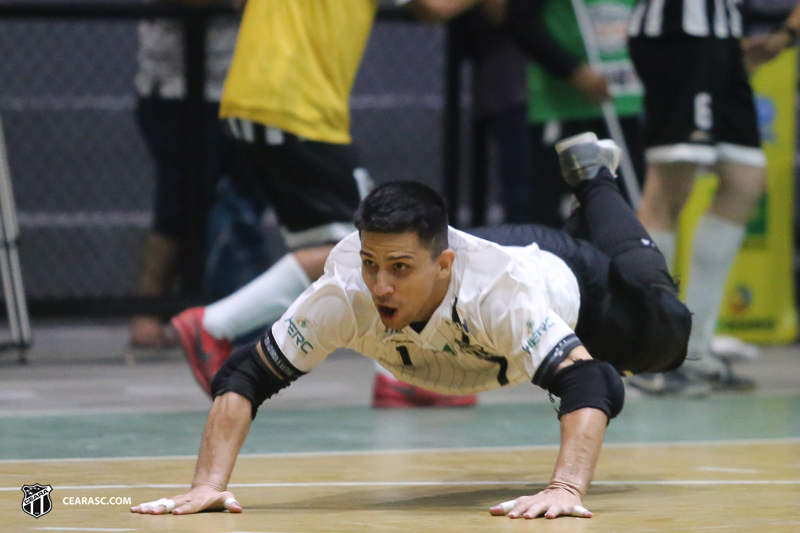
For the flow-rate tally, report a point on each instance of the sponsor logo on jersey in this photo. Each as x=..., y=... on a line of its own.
x=299, y=339
x=449, y=350
x=36, y=501
x=534, y=340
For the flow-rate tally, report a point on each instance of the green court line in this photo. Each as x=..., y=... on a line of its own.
x=358, y=428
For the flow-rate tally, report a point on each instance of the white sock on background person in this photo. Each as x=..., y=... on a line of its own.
x=716, y=243
x=259, y=303
x=665, y=241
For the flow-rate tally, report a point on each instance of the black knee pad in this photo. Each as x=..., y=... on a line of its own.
x=665, y=333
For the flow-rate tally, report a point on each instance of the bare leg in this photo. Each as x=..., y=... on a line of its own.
x=666, y=191
x=159, y=269
x=313, y=260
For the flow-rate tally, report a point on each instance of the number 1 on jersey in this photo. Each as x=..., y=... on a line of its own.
x=403, y=351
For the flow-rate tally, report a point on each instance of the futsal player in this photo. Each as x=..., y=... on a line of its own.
x=456, y=313
x=700, y=113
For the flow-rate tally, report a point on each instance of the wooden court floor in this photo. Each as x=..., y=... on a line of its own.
x=713, y=486
x=320, y=460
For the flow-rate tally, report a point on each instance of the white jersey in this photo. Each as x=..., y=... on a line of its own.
x=506, y=309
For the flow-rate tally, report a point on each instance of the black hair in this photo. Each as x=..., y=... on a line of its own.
x=401, y=206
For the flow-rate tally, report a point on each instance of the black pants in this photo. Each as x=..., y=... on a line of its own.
x=630, y=315
x=162, y=122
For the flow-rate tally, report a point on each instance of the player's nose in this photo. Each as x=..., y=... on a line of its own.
x=383, y=286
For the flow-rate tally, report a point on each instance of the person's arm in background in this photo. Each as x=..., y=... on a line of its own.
x=764, y=48
x=436, y=11
x=523, y=20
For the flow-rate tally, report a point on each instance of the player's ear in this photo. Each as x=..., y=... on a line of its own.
x=446, y=259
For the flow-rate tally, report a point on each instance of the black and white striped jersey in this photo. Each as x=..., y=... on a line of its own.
x=700, y=18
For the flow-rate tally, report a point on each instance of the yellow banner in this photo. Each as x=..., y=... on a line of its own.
x=758, y=304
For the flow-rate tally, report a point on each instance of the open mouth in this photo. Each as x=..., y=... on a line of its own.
x=386, y=312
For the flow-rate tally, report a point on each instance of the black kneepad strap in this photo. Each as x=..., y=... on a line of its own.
x=589, y=383
x=246, y=373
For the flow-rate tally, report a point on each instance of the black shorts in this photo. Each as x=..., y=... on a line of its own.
x=697, y=96
x=162, y=122
x=591, y=269
x=315, y=187
x=621, y=320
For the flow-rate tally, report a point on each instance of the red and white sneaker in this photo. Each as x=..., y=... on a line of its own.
x=391, y=393
x=205, y=353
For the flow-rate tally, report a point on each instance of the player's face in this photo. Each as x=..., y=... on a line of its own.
x=406, y=283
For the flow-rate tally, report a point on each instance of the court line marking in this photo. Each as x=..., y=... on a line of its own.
x=80, y=529
x=484, y=483
x=279, y=455
x=728, y=470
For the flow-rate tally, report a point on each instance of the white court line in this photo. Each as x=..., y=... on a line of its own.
x=488, y=449
x=79, y=529
x=357, y=484
x=728, y=470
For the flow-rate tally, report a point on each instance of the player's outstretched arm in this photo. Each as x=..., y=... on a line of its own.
x=591, y=394
x=438, y=11
x=582, y=434
x=226, y=430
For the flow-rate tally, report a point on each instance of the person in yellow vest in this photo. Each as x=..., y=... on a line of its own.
x=286, y=105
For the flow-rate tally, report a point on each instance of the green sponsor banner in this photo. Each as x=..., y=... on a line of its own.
x=758, y=304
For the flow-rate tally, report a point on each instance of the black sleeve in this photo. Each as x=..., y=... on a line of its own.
x=589, y=383
x=549, y=365
x=525, y=24
x=256, y=378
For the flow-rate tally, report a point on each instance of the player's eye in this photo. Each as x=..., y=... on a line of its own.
x=401, y=267
x=369, y=263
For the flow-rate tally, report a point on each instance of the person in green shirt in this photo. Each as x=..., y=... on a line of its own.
x=566, y=93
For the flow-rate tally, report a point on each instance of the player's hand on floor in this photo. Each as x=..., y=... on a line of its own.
x=200, y=498
x=551, y=502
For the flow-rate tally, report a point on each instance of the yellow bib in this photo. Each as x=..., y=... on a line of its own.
x=295, y=63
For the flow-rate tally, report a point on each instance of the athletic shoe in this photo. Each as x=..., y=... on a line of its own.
x=726, y=380
x=581, y=157
x=205, y=353
x=730, y=382
x=717, y=372
x=731, y=349
x=674, y=383
x=391, y=393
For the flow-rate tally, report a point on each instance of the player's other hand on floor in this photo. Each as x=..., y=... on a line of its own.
x=200, y=498
x=550, y=503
